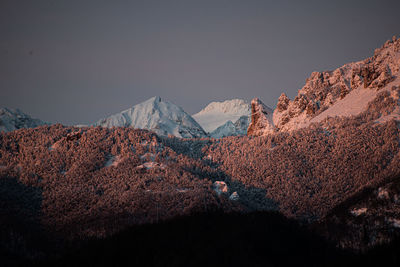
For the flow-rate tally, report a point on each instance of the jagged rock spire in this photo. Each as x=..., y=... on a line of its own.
x=261, y=119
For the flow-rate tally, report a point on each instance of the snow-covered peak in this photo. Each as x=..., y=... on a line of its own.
x=232, y=129
x=234, y=106
x=217, y=114
x=155, y=114
x=14, y=119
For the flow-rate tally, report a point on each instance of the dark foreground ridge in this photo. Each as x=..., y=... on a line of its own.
x=218, y=239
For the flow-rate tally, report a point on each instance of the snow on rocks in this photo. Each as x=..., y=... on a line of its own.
x=383, y=193
x=220, y=187
x=358, y=212
x=234, y=196
x=261, y=119
x=151, y=165
x=345, y=91
x=113, y=161
x=182, y=190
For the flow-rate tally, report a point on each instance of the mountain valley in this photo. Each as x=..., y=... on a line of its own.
x=317, y=178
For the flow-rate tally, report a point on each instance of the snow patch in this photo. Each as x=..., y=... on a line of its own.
x=261, y=119
x=352, y=104
x=151, y=165
x=358, y=212
x=234, y=196
x=182, y=190
x=113, y=161
x=383, y=193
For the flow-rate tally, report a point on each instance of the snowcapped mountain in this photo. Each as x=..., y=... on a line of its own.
x=232, y=129
x=346, y=91
x=161, y=117
x=14, y=119
x=215, y=117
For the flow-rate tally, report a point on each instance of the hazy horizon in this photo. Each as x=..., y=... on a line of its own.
x=77, y=62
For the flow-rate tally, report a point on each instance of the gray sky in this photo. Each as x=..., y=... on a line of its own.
x=78, y=61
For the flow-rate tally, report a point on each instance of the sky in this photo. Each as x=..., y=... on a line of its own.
x=75, y=62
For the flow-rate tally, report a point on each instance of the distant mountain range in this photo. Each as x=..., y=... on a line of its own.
x=346, y=91
x=218, y=119
x=329, y=160
x=14, y=119
x=159, y=116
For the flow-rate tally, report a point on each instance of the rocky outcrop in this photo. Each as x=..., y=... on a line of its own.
x=283, y=102
x=220, y=187
x=261, y=119
x=323, y=89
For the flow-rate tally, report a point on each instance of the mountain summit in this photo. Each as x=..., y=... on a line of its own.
x=14, y=119
x=162, y=117
x=218, y=114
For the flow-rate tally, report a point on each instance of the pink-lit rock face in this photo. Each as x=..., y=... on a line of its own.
x=323, y=90
x=261, y=119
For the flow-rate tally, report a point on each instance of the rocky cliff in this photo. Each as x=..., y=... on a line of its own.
x=261, y=119
x=359, y=81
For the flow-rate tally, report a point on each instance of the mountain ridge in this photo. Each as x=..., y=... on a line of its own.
x=216, y=114
x=355, y=84
x=14, y=119
x=162, y=117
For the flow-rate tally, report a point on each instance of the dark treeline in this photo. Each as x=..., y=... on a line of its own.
x=220, y=239
x=366, y=219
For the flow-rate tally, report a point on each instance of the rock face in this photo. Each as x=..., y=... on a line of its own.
x=11, y=120
x=161, y=117
x=325, y=89
x=261, y=119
